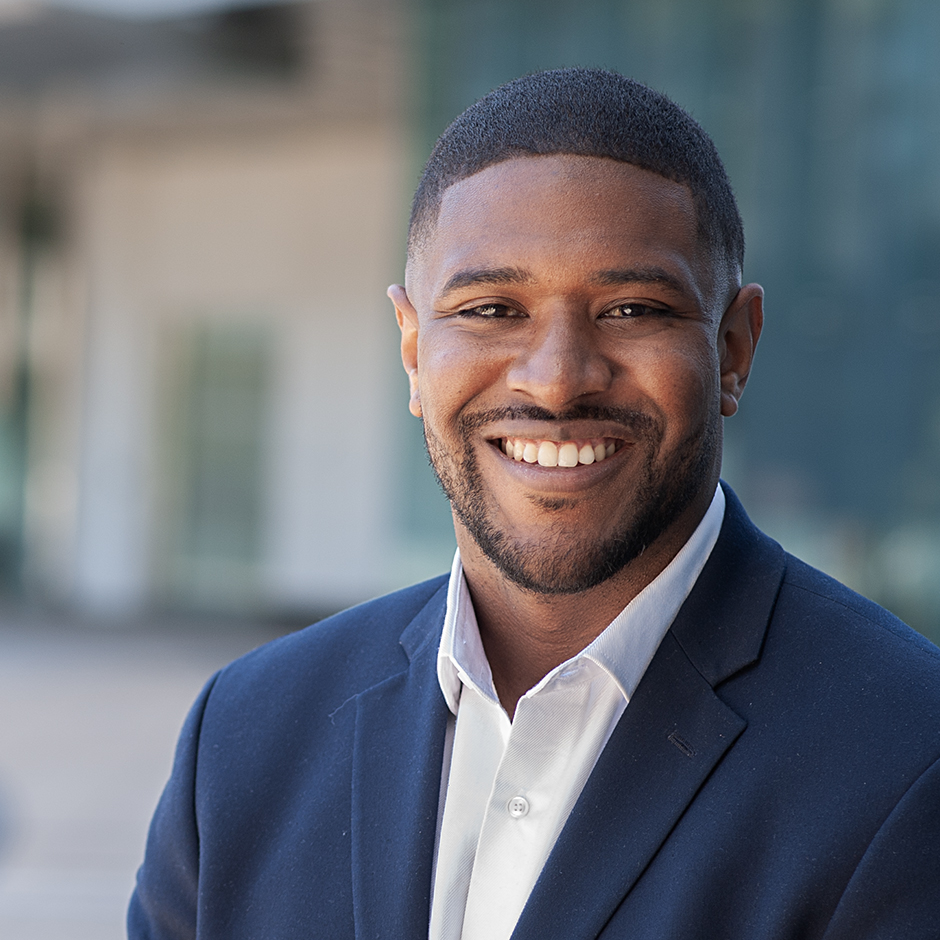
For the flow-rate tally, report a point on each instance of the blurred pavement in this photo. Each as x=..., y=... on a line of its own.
x=88, y=722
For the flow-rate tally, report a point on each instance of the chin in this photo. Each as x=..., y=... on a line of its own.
x=564, y=560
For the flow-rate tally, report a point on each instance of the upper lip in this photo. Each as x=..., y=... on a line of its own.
x=560, y=432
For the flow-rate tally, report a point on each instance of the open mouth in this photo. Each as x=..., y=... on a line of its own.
x=558, y=453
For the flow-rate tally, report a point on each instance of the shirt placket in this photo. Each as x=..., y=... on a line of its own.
x=522, y=816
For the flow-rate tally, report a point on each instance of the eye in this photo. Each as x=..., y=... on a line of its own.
x=633, y=311
x=490, y=312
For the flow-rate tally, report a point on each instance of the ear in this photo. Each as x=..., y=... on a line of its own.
x=738, y=334
x=407, y=318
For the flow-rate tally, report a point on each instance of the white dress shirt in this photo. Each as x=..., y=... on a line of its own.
x=509, y=786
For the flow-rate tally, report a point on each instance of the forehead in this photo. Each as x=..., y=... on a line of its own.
x=563, y=214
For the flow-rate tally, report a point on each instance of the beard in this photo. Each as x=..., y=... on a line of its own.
x=561, y=561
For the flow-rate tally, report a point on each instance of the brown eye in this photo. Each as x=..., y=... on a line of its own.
x=631, y=310
x=490, y=311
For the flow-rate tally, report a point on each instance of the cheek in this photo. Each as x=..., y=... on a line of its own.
x=450, y=375
x=682, y=384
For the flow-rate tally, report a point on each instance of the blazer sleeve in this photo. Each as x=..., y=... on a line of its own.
x=164, y=903
x=895, y=890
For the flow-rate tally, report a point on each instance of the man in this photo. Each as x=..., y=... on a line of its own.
x=627, y=713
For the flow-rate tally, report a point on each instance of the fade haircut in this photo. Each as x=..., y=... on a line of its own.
x=592, y=113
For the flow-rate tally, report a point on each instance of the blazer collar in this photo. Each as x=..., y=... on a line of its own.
x=722, y=624
x=673, y=733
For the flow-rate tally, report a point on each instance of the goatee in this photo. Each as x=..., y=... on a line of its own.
x=565, y=561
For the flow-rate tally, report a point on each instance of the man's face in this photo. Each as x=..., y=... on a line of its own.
x=564, y=336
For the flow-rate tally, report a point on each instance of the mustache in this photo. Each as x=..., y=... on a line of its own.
x=642, y=425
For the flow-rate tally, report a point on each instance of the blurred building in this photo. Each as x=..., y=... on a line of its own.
x=199, y=216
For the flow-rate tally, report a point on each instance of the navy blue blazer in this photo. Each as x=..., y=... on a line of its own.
x=775, y=775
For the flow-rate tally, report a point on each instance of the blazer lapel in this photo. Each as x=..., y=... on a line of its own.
x=673, y=733
x=397, y=759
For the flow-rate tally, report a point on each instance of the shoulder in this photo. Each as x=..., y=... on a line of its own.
x=338, y=657
x=842, y=679
x=822, y=612
x=794, y=650
x=768, y=603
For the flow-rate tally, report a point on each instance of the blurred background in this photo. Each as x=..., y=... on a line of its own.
x=204, y=438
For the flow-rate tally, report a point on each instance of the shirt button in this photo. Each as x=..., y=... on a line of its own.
x=518, y=806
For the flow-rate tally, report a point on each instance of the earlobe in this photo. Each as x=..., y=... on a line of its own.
x=414, y=401
x=738, y=334
x=407, y=318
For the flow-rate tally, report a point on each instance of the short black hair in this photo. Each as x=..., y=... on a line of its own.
x=585, y=112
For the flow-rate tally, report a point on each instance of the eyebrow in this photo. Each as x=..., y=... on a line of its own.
x=615, y=276
x=475, y=277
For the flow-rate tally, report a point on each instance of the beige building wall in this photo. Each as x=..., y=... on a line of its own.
x=299, y=235
x=273, y=211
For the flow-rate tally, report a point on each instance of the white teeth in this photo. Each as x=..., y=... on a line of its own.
x=568, y=455
x=548, y=454
x=554, y=454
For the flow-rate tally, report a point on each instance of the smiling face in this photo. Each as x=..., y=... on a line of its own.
x=571, y=352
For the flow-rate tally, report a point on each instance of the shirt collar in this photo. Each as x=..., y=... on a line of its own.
x=623, y=650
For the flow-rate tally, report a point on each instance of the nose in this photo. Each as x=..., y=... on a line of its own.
x=560, y=361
